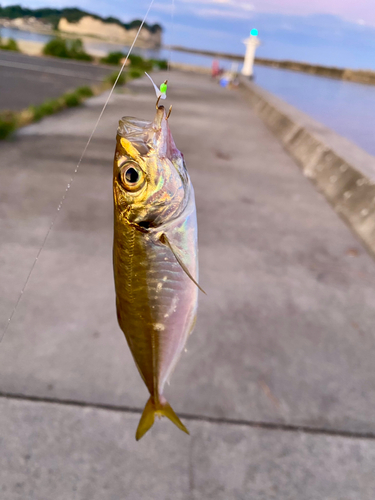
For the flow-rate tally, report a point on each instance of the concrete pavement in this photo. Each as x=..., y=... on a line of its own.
x=277, y=384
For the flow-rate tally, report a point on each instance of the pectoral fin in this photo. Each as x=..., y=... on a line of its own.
x=164, y=239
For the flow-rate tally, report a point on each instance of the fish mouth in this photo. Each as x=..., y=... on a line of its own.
x=137, y=131
x=148, y=136
x=129, y=126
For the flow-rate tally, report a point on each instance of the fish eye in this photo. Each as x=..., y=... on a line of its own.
x=131, y=176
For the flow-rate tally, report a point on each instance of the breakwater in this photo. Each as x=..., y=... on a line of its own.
x=359, y=76
x=209, y=53
x=343, y=172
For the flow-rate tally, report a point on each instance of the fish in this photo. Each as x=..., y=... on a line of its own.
x=155, y=254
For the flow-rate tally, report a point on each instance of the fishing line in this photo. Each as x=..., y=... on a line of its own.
x=72, y=178
x=172, y=36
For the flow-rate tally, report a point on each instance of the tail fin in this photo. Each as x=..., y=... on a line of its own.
x=160, y=408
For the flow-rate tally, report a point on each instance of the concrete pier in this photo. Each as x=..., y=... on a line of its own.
x=277, y=384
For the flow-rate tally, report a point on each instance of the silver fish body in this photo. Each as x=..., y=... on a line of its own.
x=155, y=254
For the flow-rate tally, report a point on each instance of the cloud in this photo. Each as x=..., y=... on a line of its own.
x=223, y=13
x=233, y=9
x=240, y=4
x=162, y=7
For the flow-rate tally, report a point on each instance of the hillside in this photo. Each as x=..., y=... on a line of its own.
x=110, y=31
x=72, y=15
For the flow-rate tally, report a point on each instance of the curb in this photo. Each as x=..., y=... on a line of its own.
x=342, y=171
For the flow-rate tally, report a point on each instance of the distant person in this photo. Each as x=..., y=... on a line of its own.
x=215, y=71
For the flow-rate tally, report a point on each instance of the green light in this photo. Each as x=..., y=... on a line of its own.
x=163, y=88
x=254, y=32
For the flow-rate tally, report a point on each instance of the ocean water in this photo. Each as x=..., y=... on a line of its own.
x=102, y=47
x=347, y=108
x=23, y=35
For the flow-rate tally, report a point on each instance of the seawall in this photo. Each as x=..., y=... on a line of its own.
x=342, y=171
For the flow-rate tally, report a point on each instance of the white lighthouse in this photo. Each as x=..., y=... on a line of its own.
x=251, y=45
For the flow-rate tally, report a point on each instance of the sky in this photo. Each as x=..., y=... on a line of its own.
x=332, y=32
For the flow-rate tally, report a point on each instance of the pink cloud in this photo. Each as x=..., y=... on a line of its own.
x=349, y=9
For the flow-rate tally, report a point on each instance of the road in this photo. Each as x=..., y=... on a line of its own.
x=277, y=384
x=26, y=80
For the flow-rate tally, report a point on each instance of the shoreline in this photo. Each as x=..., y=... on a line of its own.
x=85, y=37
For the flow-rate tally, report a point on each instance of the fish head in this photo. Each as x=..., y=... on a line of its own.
x=150, y=180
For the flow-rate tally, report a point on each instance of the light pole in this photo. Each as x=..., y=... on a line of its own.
x=251, y=44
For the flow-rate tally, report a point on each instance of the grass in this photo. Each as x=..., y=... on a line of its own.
x=160, y=63
x=48, y=107
x=135, y=61
x=137, y=67
x=112, y=78
x=140, y=63
x=85, y=91
x=71, y=99
x=67, y=49
x=113, y=58
x=135, y=72
x=8, y=124
x=10, y=44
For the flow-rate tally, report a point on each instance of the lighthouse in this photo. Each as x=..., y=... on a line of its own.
x=251, y=45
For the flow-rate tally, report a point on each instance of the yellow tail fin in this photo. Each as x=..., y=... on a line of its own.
x=161, y=408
